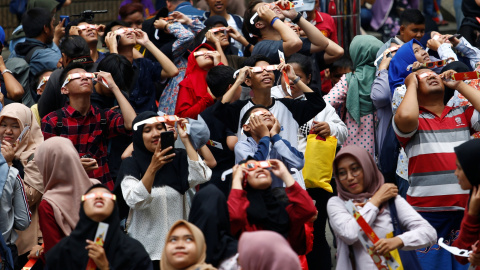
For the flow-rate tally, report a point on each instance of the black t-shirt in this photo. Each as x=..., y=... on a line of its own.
x=270, y=49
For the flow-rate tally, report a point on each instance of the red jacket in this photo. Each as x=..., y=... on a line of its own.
x=469, y=234
x=300, y=210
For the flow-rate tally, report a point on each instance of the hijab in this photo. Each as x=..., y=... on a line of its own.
x=266, y=250
x=31, y=140
x=201, y=248
x=63, y=187
x=467, y=155
x=173, y=174
x=372, y=177
x=363, y=51
x=122, y=252
x=397, y=71
x=195, y=77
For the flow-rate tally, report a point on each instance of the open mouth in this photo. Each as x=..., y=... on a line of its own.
x=267, y=80
x=98, y=203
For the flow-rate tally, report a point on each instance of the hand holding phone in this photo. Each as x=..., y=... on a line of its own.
x=167, y=139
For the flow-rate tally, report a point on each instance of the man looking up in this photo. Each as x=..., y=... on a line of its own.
x=86, y=126
x=428, y=131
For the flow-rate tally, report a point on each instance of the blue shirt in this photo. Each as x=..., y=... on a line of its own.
x=143, y=95
x=271, y=148
x=42, y=59
x=187, y=9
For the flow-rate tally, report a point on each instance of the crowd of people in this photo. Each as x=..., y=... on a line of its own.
x=234, y=138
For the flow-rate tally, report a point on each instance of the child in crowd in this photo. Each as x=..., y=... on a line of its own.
x=263, y=142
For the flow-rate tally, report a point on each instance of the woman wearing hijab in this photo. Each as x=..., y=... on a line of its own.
x=359, y=179
x=19, y=152
x=253, y=205
x=184, y=248
x=352, y=93
x=118, y=252
x=153, y=183
x=193, y=96
x=65, y=180
x=468, y=174
x=183, y=34
x=266, y=250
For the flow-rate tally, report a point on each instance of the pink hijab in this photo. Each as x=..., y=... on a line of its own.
x=64, y=179
x=266, y=250
x=372, y=177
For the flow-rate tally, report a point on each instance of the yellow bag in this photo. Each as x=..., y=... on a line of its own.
x=319, y=157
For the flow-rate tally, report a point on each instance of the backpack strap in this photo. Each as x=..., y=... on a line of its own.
x=103, y=122
x=28, y=56
x=59, y=126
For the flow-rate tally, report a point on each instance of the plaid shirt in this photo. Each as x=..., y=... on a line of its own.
x=85, y=132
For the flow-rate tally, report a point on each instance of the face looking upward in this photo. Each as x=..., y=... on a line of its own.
x=89, y=34
x=127, y=37
x=204, y=61
x=350, y=174
x=258, y=178
x=261, y=80
x=78, y=86
x=429, y=82
x=420, y=54
x=99, y=205
x=181, y=249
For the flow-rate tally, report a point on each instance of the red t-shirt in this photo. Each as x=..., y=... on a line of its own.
x=326, y=25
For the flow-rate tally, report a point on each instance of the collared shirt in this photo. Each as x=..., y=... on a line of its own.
x=85, y=132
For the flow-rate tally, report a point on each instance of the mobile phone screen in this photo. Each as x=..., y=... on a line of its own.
x=167, y=140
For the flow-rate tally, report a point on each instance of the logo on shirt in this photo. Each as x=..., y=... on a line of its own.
x=459, y=122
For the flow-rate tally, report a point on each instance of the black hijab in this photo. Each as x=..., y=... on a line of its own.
x=467, y=154
x=122, y=251
x=173, y=174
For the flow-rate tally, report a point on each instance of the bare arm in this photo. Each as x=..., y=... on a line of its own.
x=168, y=67
x=291, y=42
x=14, y=88
x=128, y=112
x=466, y=90
x=319, y=41
x=207, y=156
x=333, y=52
x=407, y=114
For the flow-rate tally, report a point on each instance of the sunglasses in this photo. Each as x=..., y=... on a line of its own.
x=77, y=76
x=123, y=30
x=87, y=26
x=426, y=74
x=157, y=119
x=43, y=81
x=250, y=166
x=94, y=195
x=218, y=29
x=290, y=5
x=202, y=53
x=454, y=250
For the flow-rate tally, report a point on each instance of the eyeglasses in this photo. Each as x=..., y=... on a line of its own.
x=427, y=74
x=261, y=69
x=435, y=64
x=123, y=30
x=157, y=119
x=43, y=81
x=87, y=26
x=259, y=113
x=218, y=29
x=454, y=250
x=202, y=53
x=343, y=174
x=94, y=195
x=253, y=165
x=77, y=76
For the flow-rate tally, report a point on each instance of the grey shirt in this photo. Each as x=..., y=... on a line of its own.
x=14, y=210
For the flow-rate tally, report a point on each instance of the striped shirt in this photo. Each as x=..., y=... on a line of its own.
x=433, y=185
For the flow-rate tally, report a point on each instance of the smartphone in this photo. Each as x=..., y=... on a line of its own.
x=118, y=37
x=67, y=19
x=167, y=140
x=86, y=156
x=457, y=36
